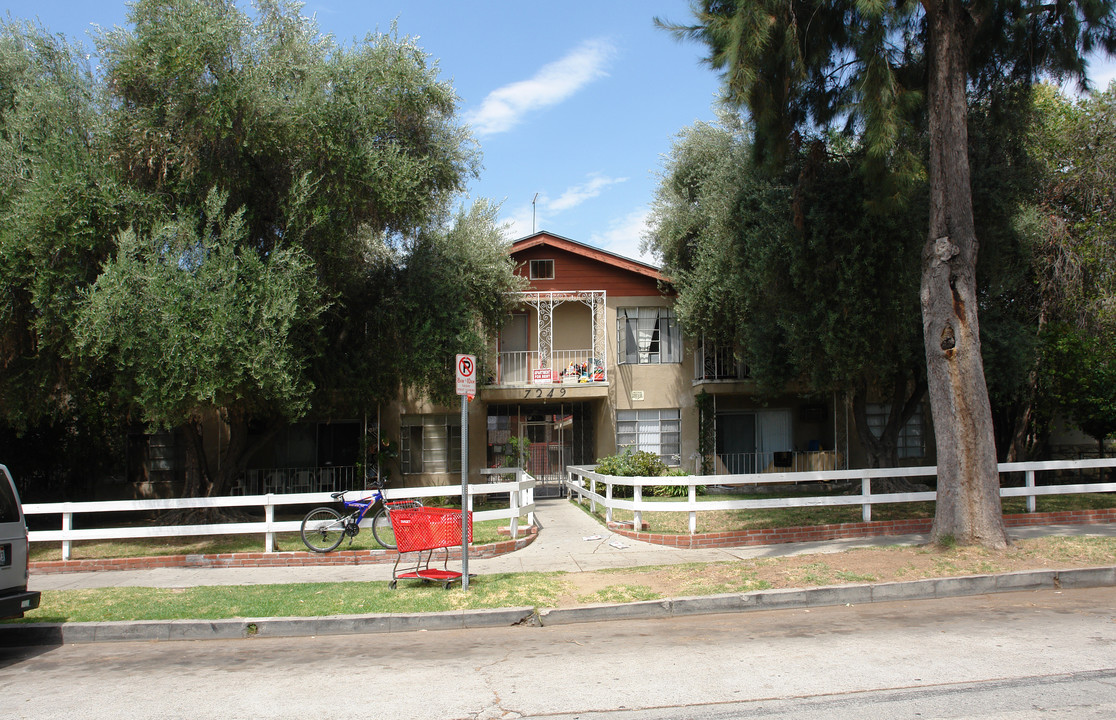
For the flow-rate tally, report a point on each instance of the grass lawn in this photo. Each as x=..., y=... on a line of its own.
x=556, y=589
x=712, y=521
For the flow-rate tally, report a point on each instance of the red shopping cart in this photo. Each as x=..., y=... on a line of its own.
x=421, y=531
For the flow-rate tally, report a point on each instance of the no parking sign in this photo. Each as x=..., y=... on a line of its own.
x=467, y=375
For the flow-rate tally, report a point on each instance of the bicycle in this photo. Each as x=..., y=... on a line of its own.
x=324, y=528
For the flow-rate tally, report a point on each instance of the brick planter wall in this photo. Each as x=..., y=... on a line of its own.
x=300, y=558
x=838, y=531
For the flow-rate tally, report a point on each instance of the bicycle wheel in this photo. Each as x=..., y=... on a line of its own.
x=381, y=523
x=323, y=529
x=381, y=529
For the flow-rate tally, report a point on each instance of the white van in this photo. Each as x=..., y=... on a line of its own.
x=15, y=599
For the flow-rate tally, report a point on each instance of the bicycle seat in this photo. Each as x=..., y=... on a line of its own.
x=338, y=495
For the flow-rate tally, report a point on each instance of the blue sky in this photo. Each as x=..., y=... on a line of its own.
x=573, y=103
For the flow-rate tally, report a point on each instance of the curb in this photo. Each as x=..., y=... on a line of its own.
x=29, y=634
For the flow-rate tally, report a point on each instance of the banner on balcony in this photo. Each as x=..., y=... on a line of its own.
x=540, y=376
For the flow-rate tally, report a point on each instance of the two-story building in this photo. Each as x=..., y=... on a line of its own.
x=594, y=361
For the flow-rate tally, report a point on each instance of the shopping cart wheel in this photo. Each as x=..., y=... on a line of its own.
x=392, y=584
x=447, y=584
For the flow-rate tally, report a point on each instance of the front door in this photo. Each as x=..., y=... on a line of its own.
x=544, y=439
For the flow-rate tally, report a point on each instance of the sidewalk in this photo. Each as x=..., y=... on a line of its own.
x=569, y=540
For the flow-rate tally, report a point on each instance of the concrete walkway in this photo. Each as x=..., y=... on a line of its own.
x=569, y=540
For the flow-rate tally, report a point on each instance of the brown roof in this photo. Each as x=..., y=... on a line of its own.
x=587, y=251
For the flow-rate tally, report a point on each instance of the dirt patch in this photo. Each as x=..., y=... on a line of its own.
x=866, y=565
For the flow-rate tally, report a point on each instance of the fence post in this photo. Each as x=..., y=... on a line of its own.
x=693, y=510
x=637, y=514
x=269, y=518
x=513, y=502
x=67, y=525
x=866, y=492
x=1031, y=504
x=608, y=503
x=529, y=499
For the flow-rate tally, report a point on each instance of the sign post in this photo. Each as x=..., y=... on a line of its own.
x=467, y=388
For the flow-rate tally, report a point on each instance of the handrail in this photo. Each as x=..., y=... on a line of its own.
x=521, y=505
x=576, y=477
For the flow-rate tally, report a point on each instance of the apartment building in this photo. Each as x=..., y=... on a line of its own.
x=594, y=361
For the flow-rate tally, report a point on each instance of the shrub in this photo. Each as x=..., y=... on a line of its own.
x=640, y=463
x=675, y=490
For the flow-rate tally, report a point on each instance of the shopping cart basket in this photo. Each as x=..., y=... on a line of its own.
x=421, y=531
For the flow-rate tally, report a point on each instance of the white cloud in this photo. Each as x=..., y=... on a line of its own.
x=506, y=106
x=578, y=194
x=625, y=235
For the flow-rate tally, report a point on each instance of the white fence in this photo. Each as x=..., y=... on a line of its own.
x=583, y=480
x=521, y=505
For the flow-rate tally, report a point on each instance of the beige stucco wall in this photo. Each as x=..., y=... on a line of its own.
x=647, y=387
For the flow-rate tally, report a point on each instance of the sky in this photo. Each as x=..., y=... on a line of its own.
x=574, y=104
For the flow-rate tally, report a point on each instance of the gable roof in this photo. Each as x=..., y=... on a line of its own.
x=547, y=239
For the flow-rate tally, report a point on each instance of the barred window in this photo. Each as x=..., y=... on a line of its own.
x=656, y=431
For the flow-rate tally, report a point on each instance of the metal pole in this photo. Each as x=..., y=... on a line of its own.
x=464, y=492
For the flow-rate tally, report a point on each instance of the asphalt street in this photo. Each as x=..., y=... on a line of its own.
x=1020, y=655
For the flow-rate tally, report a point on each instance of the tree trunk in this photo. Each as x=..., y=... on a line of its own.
x=968, y=509
x=231, y=462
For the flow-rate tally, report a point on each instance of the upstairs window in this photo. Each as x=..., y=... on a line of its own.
x=648, y=336
x=542, y=269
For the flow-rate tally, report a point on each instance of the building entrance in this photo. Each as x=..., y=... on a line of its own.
x=542, y=439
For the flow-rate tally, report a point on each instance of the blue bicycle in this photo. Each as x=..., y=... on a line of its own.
x=324, y=528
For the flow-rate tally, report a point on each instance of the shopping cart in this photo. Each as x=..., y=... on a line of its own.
x=421, y=531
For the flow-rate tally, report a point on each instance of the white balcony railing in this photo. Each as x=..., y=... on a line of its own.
x=568, y=366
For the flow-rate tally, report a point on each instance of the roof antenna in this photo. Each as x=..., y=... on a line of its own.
x=533, y=213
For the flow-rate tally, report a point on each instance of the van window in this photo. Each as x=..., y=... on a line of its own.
x=9, y=510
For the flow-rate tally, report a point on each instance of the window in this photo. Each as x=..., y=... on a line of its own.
x=656, y=431
x=911, y=443
x=648, y=336
x=431, y=443
x=542, y=269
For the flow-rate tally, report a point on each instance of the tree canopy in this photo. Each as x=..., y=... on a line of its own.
x=1075, y=142
x=811, y=289
x=878, y=71
x=236, y=217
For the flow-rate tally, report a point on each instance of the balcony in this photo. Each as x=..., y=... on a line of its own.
x=714, y=363
x=564, y=366
x=557, y=339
